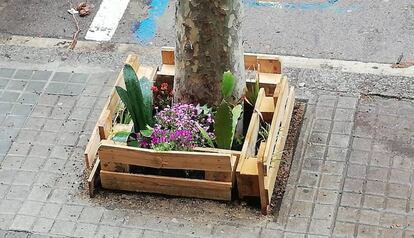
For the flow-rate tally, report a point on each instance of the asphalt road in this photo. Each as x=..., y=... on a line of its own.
x=368, y=31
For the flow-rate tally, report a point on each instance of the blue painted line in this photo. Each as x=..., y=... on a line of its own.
x=145, y=30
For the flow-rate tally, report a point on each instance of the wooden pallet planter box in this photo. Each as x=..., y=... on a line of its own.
x=256, y=172
x=110, y=163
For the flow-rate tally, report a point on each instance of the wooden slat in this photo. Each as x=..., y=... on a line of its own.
x=223, y=176
x=167, y=185
x=273, y=168
x=110, y=153
x=250, y=61
x=264, y=202
x=92, y=147
x=216, y=150
x=167, y=55
x=112, y=102
x=275, y=126
x=269, y=64
x=93, y=177
x=267, y=109
x=105, y=125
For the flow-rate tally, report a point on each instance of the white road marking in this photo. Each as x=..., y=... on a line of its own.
x=106, y=20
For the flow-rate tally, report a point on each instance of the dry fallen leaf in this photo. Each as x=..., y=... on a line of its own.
x=84, y=9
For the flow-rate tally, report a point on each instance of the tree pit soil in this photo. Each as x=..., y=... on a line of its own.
x=203, y=210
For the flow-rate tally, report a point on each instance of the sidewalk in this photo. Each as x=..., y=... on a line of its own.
x=352, y=174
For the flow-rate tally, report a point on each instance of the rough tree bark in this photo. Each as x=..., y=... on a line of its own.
x=208, y=43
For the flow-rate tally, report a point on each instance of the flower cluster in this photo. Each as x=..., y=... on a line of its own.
x=178, y=128
x=162, y=96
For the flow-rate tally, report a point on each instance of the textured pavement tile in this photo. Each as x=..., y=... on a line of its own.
x=343, y=229
x=41, y=75
x=50, y=210
x=10, y=206
x=43, y=225
x=305, y=194
x=70, y=212
x=351, y=199
x=9, y=96
x=6, y=72
x=366, y=231
x=320, y=226
x=39, y=193
x=17, y=234
x=85, y=230
x=61, y=76
x=6, y=221
x=79, y=78
x=373, y=202
x=324, y=113
x=375, y=187
x=327, y=196
x=31, y=208
x=297, y=224
x=64, y=228
x=269, y=233
x=107, y=232
x=370, y=217
x=16, y=85
x=353, y=185
x=301, y=209
x=22, y=222
x=23, y=74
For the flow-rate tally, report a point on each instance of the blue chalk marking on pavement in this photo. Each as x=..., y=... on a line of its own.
x=145, y=30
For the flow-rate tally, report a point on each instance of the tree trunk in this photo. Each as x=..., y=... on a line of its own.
x=208, y=43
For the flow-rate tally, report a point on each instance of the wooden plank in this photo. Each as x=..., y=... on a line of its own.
x=264, y=202
x=216, y=150
x=92, y=148
x=167, y=55
x=94, y=177
x=108, y=152
x=269, y=64
x=167, y=185
x=277, y=119
x=112, y=102
x=223, y=176
x=105, y=125
x=278, y=151
x=250, y=61
x=249, y=166
x=267, y=109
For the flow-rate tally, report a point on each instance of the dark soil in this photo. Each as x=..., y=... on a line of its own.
x=202, y=210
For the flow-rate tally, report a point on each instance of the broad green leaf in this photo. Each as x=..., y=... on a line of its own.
x=205, y=136
x=135, y=98
x=123, y=94
x=223, y=126
x=146, y=133
x=147, y=94
x=228, y=83
x=121, y=136
x=237, y=111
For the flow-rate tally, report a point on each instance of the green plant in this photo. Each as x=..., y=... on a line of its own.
x=227, y=115
x=252, y=92
x=137, y=98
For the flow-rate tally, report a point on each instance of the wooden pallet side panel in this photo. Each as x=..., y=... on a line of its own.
x=273, y=166
x=167, y=185
x=112, y=102
x=261, y=178
x=105, y=125
x=167, y=55
x=277, y=119
x=111, y=153
x=94, y=177
x=246, y=168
